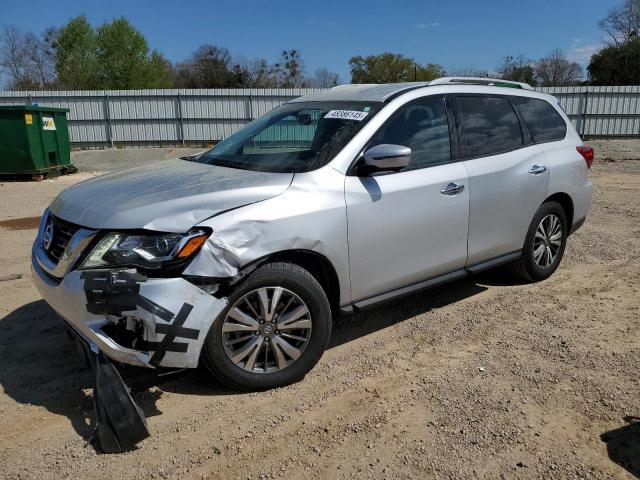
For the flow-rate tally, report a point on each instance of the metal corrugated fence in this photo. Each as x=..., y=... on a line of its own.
x=183, y=117
x=601, y=111
x=156, y=117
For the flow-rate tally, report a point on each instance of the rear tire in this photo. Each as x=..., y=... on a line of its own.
x=544, y=244
x=273, y=331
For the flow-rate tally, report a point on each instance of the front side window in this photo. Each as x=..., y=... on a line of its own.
x=295, y=137
x=544, y=122
x=488, y=126
x=423, y=127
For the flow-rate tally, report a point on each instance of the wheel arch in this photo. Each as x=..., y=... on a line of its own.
x=317, y=265
x=565, y=201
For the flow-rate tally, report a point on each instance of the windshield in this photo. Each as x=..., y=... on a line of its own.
x=295, y=137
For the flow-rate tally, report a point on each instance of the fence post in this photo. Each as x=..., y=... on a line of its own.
x=107, y=112
x=584, y=113
x=180, y=119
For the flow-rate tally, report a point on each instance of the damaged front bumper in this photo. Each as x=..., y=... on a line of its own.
x=171, y=315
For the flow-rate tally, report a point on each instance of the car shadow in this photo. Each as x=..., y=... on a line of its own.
x=40, y=363
x=623, y=445
x=350, y=327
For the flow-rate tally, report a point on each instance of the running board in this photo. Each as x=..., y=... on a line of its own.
x=495, y=262
x=394, y=294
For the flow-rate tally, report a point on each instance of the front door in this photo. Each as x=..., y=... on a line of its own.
x=408, y=226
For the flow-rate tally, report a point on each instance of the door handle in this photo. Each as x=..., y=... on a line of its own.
x=452, y=189
x=537, y=169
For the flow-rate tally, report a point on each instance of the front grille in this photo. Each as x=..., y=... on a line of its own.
x=62, y=233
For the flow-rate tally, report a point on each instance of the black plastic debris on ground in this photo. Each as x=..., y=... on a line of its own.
x=119, y=422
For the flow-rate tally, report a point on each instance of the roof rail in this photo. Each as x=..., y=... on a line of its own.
x=494, y=82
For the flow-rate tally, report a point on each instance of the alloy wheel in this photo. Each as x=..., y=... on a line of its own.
x=547, y=241
x=266, y=330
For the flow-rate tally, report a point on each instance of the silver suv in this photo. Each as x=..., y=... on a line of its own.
x=330, y=203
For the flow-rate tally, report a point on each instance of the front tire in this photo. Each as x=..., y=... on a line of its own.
x=273, y=331
x=544, y=245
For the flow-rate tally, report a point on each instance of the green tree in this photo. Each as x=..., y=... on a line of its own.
x=75, y=52
x=123, y=58
x=430, y=71
x=240, y=76
x=616, y=64
x=160, y=71
x=391, y=68
x=113, y=56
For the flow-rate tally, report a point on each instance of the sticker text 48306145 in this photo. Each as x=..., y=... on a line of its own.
x=347, y=115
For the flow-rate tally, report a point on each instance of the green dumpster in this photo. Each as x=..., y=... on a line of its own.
x=34, y=141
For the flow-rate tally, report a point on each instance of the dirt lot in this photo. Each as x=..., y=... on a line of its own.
x=484, y=377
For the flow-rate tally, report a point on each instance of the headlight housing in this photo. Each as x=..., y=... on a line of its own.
x=144, y=250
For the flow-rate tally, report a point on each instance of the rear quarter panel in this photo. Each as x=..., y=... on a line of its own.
x=569, y=172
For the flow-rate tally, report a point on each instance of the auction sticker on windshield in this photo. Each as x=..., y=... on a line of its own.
x=347, y=115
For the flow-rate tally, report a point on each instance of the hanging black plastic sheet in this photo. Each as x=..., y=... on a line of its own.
x=119, y=423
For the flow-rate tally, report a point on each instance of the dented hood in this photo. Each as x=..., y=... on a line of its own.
x=169, y=196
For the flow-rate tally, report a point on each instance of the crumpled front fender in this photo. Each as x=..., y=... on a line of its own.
x=309, y=216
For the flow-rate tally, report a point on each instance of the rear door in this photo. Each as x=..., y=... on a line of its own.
x=408, y=226
x=508, y=174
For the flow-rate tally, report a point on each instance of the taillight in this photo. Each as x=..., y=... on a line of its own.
x=587, y=153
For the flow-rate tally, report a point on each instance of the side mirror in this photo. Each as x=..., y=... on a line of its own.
x=387, y=157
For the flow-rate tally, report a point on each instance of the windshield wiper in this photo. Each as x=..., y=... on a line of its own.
x=221, y=163
x=193, y=157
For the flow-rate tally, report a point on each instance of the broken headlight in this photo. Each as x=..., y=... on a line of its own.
x=119, y=249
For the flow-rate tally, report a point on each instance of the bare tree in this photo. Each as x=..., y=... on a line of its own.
x=467, y=71
x=290, y=70
x=259, y=73
x=40, y=61
x=26, y=60
x=555, y=70
x=12, y=54
x=324, y=78
x=210, y=66
x=518, y=69
x=622, y=24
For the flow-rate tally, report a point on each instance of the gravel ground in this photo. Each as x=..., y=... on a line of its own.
x=482, y=378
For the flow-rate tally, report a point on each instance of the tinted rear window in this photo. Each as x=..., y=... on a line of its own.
x=488, y=126
x=544, y=122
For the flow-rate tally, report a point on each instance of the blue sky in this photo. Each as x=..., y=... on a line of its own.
x=453, y=33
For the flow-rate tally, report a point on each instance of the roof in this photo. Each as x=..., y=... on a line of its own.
x=371, y=92
x=365, y=92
